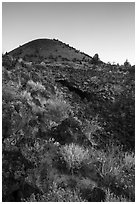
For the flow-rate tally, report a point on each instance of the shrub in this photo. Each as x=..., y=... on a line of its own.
x=74, y=155
x=35, y=86
x=117, y=170
x=63, y=195
x=57, y=109
x=129, y=160
x=111, y=197
x=56, y=194
x=92, y=130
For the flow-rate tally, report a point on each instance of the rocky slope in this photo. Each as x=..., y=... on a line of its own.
x=68, y=126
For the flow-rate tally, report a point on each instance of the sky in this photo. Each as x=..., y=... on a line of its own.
x=106, y=28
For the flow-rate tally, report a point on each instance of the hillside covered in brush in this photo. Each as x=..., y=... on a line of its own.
x=68, y=131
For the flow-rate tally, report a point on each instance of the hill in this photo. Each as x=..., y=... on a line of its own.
x=68, y=127
x=47, y=48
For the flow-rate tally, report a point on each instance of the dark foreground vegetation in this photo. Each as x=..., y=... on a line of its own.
x=68, y=129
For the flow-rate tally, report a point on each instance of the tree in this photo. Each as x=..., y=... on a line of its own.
x=95, y=58
x=127, y=64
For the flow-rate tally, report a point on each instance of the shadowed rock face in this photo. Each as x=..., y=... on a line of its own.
x=69, y=131
x=73, y=88
x=22, y=192
x=95, y=195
